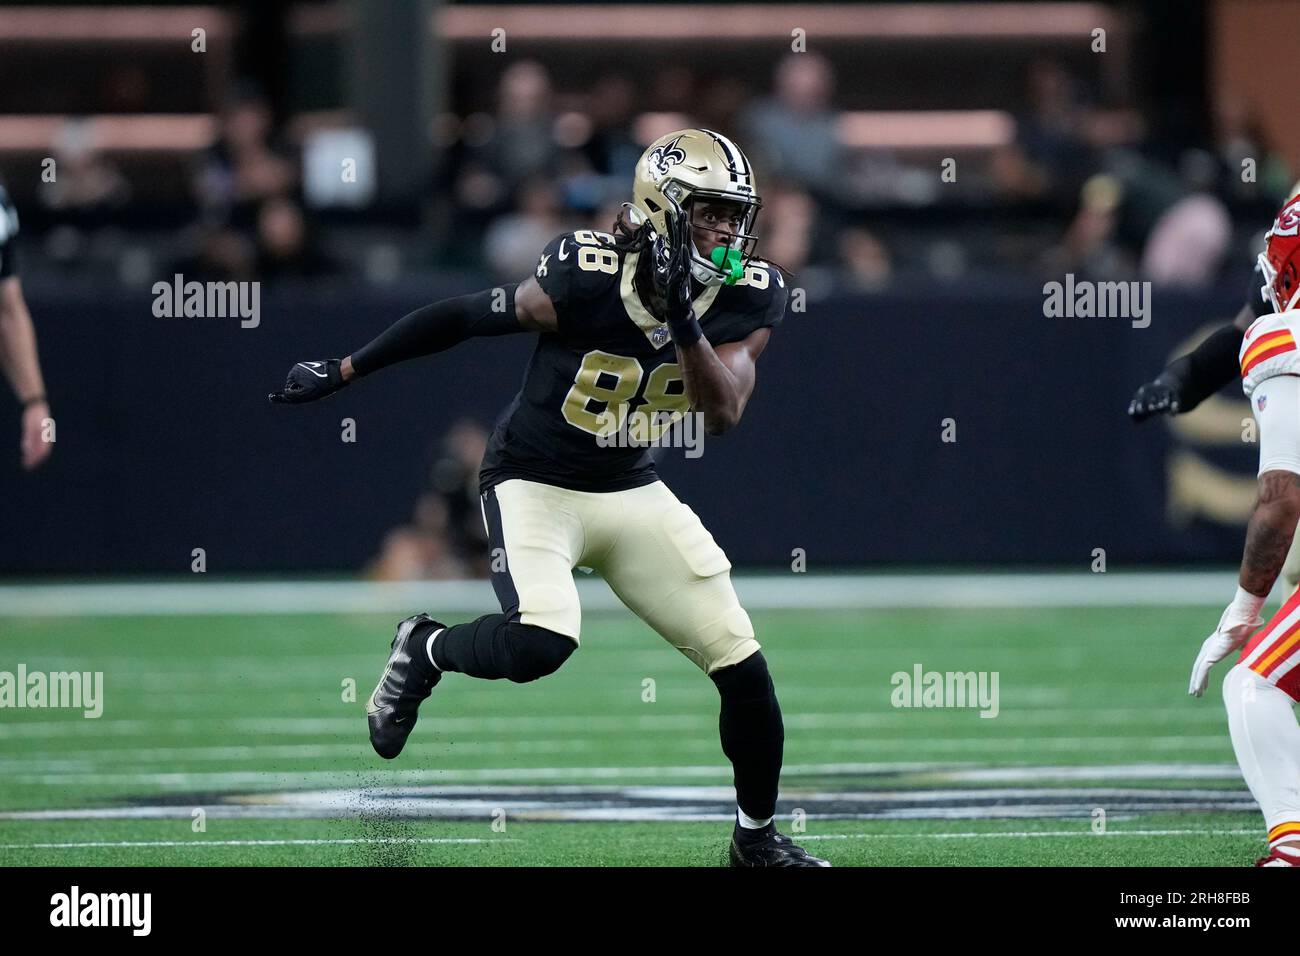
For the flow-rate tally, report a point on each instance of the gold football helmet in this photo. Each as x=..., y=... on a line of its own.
x=681, y=171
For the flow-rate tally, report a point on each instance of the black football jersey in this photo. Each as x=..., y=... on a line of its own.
x=8, y=234
x=609, y=362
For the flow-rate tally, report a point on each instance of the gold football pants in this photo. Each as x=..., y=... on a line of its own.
x=650, y=548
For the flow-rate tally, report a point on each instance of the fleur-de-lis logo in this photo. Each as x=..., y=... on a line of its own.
x=663, y=158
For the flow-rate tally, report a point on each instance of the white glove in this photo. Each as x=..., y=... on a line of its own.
x=1239, y=621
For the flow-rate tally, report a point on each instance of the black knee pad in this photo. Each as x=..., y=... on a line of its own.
x=535, y=651
x=748, y=680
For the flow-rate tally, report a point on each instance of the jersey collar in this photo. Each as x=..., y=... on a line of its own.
x=656, y=332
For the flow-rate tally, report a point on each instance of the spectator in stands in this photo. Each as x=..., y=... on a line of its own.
x=285, y=246
x=454, y=477
x=221, y=254
x=786, y=225
x=522, y=145
x=866, y=261
x=1061, y=140
x=612, y=149
x=87, y=187
x=1138, y=218
x=244, y=168
x=511, y=244
x=494, y=156
x=793, y=134
x=420, y=551
x=674, y=89
x=1240, y=139
x=723, y=105
x=600, y=166
x=446, y=537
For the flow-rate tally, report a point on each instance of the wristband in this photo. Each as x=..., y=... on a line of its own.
x=686, y=331
x=1246, y=605
x=35, y=400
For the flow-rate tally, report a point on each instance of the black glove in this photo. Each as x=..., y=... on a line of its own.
x=673, y=279
x=1163, y=396
x=309, y=381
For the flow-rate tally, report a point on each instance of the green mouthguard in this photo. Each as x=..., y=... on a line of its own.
x=729, y=260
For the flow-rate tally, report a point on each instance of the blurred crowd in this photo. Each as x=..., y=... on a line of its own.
x=1077, y=187
x=1115, y=200
x=445, y=537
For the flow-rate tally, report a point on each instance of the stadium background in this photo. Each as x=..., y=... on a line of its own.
x=923, y=298
x=924, y=303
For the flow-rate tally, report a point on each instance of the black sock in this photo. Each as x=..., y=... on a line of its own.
x=753, y=736
x=419, y=649
x=496, y=646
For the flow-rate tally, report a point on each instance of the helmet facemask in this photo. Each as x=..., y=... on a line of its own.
x=1283, y=299
x=724, y=262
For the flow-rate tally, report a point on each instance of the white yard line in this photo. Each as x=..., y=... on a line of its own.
x=960, y=772
x=542, y=724
x=803, y=837
x=758, y=592
x=189, y=844
x=1032, y=835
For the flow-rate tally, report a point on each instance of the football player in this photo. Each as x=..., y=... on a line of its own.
x=1192, y=378
x=1263, y=687
x=634, y=331
x=18, y=356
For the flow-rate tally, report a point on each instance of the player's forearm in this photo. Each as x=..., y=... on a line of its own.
x=712, y=388
x=1272, y=526
x=1207, y=368
x=18, y=356
x=436, y=328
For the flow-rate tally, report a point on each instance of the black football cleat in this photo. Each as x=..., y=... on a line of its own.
x=766, y=847
x=391, y=710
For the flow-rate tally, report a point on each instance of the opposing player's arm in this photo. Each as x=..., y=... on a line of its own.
x=1276, y=402
x=1272, y=526
x=720, y=380
x=1268, y=539
x=1189, y=380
